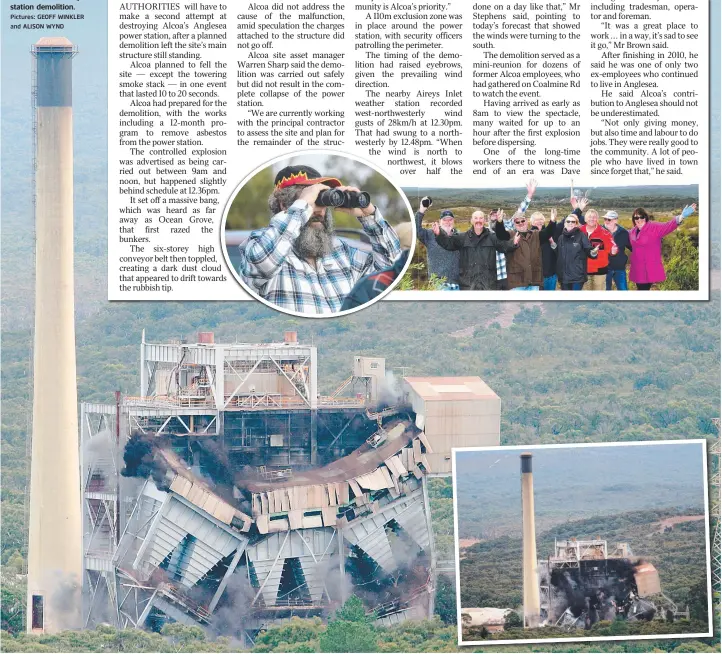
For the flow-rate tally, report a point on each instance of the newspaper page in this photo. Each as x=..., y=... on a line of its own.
x=252, y=398
x=597, y=99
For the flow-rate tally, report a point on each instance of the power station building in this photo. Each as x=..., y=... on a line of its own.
x=231, y=494
x=585, y=581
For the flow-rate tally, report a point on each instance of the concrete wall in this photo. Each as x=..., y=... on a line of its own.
x=457, y=423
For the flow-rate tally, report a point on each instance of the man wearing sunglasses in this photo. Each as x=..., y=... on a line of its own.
x=524, y=264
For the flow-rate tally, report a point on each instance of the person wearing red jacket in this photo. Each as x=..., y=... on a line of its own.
x=603, y=243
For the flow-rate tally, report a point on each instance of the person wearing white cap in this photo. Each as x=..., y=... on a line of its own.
x=617, y=269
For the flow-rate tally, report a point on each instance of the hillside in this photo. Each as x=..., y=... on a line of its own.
x=651, y=369
x=491, y=572
x=575, y=483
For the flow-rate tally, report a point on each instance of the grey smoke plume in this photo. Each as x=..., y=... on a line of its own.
x=98, y=444
x=235, y=604
x=390, y=393
x=65, y=601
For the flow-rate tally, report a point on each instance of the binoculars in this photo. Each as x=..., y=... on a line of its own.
x=332, y=197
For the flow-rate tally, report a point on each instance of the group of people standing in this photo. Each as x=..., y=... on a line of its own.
x=529, y=253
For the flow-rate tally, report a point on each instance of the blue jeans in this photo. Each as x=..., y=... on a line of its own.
x=550, y=283
x=619, y=277
x=527, y=288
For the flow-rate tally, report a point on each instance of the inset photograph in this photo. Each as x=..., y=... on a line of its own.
x=532, y=238
x=582, y=542
x=318, y=234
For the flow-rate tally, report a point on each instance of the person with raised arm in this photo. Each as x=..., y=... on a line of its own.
x=440, y=262
x=573, y=250
x=477, y=249
x=498, y=217
x=645, y=237
x=524, y=263
x=603, y=243
x=617, y=270
x=548, y=249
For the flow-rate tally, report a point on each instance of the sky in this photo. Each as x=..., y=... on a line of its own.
x=577, y=481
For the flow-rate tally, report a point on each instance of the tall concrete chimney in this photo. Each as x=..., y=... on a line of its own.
x=55, y=541
x=531, y=576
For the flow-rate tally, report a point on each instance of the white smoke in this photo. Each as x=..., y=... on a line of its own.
x=390, y=392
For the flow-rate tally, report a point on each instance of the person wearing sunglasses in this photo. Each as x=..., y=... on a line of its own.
x=645, y=262
x=548, y=248
x=477, y=249
x=603, y=242
x=573, y=250
x=617, y=269
x=524, y=264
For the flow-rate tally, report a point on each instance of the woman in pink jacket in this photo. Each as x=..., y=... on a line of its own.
x=646, y=236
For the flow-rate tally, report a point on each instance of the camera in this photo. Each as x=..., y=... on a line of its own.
x=427, y=202
x=332, y=197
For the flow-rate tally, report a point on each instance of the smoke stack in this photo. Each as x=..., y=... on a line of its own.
x=55, y=540
x=531, y=578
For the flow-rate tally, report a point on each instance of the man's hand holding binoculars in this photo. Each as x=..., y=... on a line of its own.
x=347, y=199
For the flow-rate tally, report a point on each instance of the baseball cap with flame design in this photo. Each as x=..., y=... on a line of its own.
x=304, y=176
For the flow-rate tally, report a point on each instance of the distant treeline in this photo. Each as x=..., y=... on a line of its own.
x=491, y=571
x=652, y=198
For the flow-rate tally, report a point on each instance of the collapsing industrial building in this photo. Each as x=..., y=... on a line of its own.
x=584, y=582
x=230, y=494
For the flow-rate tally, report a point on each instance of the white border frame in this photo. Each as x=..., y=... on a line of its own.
x=252, y=294
x=701, y=295
x=527, y=448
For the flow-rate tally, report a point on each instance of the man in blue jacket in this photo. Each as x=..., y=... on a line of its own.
x=439, y=262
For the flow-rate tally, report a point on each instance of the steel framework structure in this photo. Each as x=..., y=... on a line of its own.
x=715, y=463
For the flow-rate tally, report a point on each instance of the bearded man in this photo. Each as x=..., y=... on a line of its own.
x=297, y=262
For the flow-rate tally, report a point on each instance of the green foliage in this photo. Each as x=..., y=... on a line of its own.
x=682, y=267
x=184, y=637
x=600, y=629
x=513, y=621
x=418, y=636
x=12, y=598
x=353, y=610
x=442, y=516
x=491, y=573
x=440, y=487
x=415, y=272
x=249, y=209
x=343, y=636
x=177, y=638
x=696, y=600
x=445, y=601
x=530, y=316
x=350, y=630
x=291, y=636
